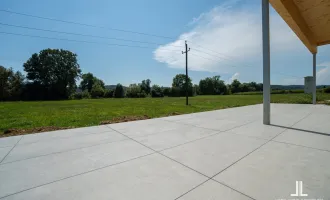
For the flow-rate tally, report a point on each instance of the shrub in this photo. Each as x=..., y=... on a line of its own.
x=76, y=95
x=133, y=91
x=119, y=91
x=108, y=93
x=166, y=91
x=97, y=91
x=327, y=90
x=85, y=94
x=156, y=91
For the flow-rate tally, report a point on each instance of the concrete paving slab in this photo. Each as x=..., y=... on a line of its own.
x=3, y=152
x=9, y=141
x=30, y=173
x=271, y=172
x=212, y=190
x=63, y=134
x=303, y=138
x=145, y=127
x=316, y=122
x=151, y=177
x=258, y=129
x=174, y=137
x=286, y=120
x=213, y=154
x=45, y=147
x=220, y=124
x=126, y=170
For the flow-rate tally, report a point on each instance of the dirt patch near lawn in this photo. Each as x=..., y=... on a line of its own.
x=14, y=131
x=124, y=119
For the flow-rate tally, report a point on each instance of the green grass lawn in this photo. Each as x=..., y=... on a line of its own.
x=87, y=112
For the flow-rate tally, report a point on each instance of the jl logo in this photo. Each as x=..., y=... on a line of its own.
x=299, y=190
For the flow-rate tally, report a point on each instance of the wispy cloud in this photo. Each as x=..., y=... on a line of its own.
x=235, y=33
x=323, y=75
x=234, y=76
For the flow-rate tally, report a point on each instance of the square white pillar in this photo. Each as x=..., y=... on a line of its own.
x=266, y=61
x=314, y=78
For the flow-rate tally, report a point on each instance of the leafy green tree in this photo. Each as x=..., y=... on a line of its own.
x=212, y=85
x=166, y=91
x=16, y=84
x=86, y=95
x=235, y=86
x=56, y=70
x=156, y=91
x=88, y=80
x=244, y=87
x=119, y=91
x=11, y=84
x=97, y=90
x=179, y=81
x=197, y=90
x=145, y=86
x=108, y=93
x=259, y=87
x=4, y=82
x=135, y=91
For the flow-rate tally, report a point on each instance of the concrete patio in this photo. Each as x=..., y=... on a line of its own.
x=224, y=154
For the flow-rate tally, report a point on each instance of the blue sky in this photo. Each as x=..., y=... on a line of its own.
x=224, y=36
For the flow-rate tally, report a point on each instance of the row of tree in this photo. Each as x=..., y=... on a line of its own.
x=52, y=74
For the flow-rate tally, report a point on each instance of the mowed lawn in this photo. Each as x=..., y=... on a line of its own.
x=88, y=112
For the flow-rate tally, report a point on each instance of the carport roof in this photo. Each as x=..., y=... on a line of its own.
x=309, y=19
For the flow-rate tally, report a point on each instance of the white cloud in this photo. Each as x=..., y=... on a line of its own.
x=235, y=76
x=323, y=75
x=235, y=33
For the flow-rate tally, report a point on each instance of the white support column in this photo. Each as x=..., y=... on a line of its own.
x=314, y=78
x=266, y=61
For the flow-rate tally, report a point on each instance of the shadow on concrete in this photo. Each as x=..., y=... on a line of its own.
x=297, y=129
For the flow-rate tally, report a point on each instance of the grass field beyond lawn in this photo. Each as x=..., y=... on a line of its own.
x=88, y=112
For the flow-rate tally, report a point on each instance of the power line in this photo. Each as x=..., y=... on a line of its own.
x=83, y=24
x=82, y=41
x=79, y=34
x=249, y=67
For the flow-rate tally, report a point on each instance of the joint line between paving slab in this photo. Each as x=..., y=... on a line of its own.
x=58, y=138
x=77, y=175
x=10, y=150
x=59, y=152
x=301, y=146
x=208, y=178
x=259, y=147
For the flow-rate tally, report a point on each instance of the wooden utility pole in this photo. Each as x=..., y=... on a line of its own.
x=186, y=52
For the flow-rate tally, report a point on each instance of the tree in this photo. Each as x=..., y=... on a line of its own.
x=135, y=91
x=235, y=86
x=16, y=83
x=97, y=90
x=145, y=86
x=212, y=86
x=11, y=84
x=156, y=91
x=56, y=70
x=244, y=87
x=108, y=93
x=166, y=91
x=179, y=81
x=119, y=91
x=4, y=82
x=88, y=80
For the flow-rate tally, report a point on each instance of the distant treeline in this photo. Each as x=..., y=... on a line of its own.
x=52, y=74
